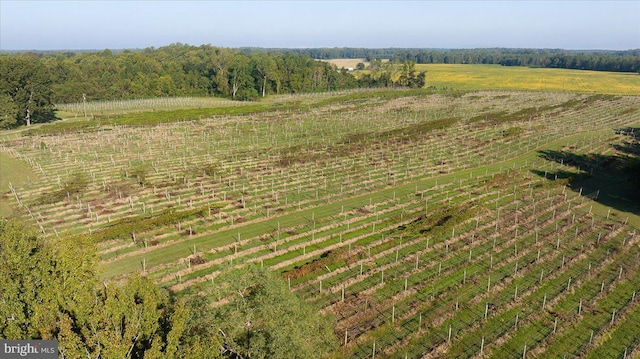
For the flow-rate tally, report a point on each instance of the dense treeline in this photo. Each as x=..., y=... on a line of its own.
x=183, y=70
x=622, y=61
x=31, y=83
x=600, y=60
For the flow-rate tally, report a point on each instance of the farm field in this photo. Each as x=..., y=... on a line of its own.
x=476, y=77
x=478, y=223
x=347, y=63
x=495, y=77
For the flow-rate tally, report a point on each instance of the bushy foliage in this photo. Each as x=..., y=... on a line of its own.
x=25, y=91
x=139, y=173
x=73, y=186
x=51, y=290
x=264, y=319
x=123, y=228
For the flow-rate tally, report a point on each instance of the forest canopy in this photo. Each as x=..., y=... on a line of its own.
x=249, y=73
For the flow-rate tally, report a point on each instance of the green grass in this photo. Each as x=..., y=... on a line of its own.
x=18, y=174
x=142, y=119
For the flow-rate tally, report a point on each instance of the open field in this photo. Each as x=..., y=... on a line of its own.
x=479, y=77
x=451, y=224
x=347, y=63
x=496, y=77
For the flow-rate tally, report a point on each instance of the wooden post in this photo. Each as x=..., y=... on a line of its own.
x=580, y=307
x=613, y=316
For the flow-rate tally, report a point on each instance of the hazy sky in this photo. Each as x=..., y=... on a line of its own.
x=93, y=24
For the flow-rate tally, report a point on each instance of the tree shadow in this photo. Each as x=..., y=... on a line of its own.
x=611, y=179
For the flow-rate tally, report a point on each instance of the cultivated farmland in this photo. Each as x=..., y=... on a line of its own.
x=448, y=224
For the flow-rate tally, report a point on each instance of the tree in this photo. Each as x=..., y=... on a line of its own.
x=264, y=319
x=240, y=78
x=221, y=61
x=265, y=68
x=409, y=78
x=50, y=290
x=28, y=84
x=23, y=279
x=419, y=80
x=9, y=111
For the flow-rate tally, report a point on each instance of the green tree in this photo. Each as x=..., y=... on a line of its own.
x=265, y=69
x=28, y=84
x=240, y=78
x=24, y=281
x=9, y=111
x=221, y=60
x=419, y=81
x=264, y=319
x=50, y=290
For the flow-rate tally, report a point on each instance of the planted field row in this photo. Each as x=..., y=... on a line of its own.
x=427, y=225
x=126, y=144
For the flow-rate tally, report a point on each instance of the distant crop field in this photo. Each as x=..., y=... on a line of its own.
x=347, y=63
x=93, y=108
x=483, y=77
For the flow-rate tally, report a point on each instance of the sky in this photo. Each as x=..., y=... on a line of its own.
x=97, y=25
